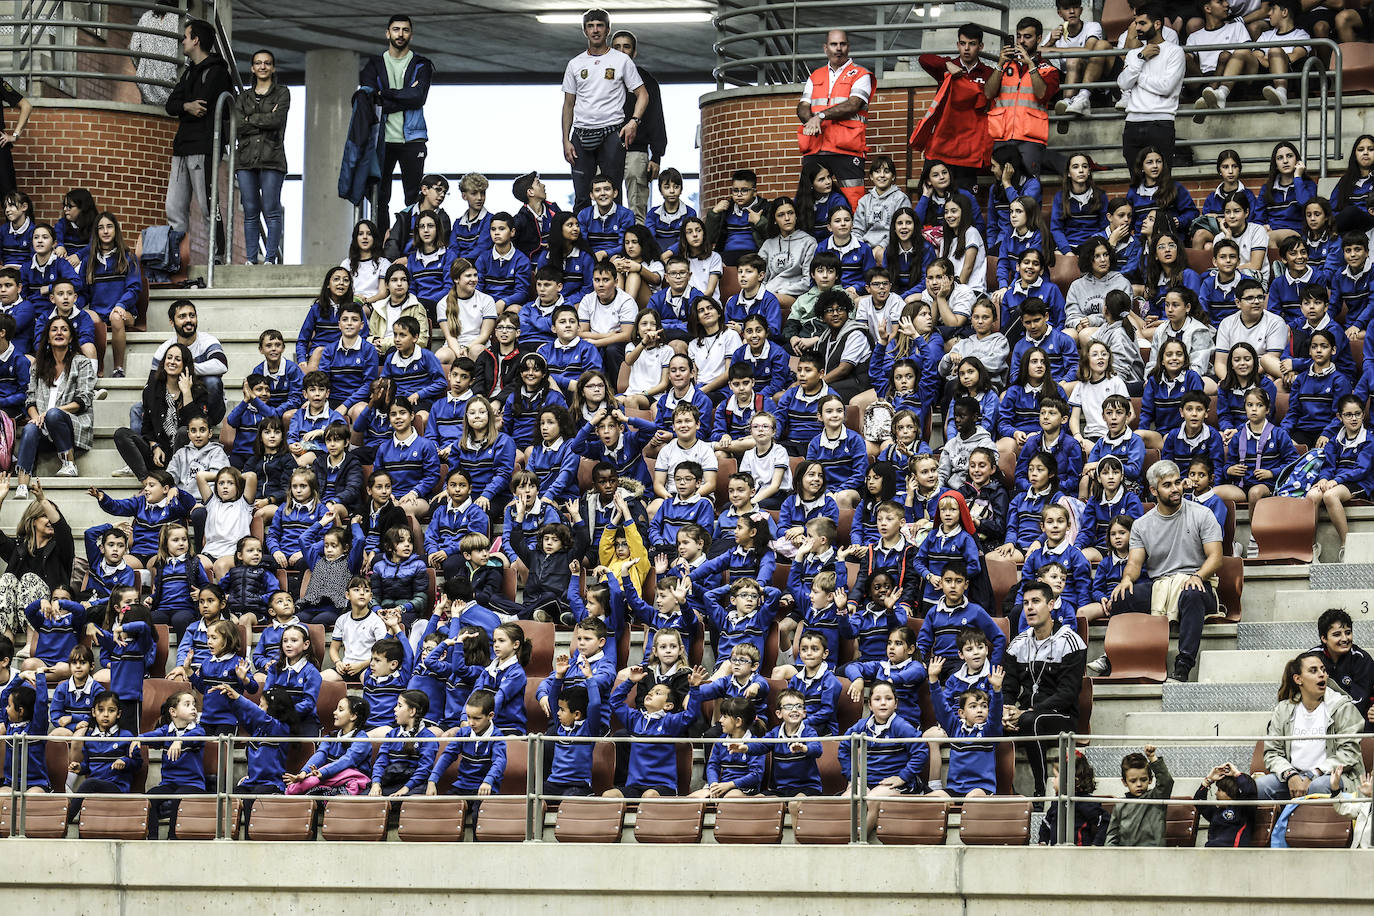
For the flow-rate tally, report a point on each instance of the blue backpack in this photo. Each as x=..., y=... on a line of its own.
x=1299, y=476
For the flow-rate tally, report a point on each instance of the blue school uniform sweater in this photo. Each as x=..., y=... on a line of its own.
x=447, y=416
x=798, y=417
x=457, y=684
x=667, y=227
x=1128, y=447
x=34, y=278
x=420, y=375
x=1059, y=348
x=908, y=267
x=1097, y=516
x=1312, y=402
x=1231, y=403
x=480, y=762
x=1160, y=402
x=188, y=770
x=1300, y=341
x=303, y=683
x=738, y=563
x=821, y=693
x=1107, y=577
x=130, y=662
x=449, y=524
x=245, y=419
x=856, y=260
x=194, y=647
x=14, y=381
x=1183, y=212
x=740, y=768
x=1350, y=462
x=1019, y=411
x=504, y=679
x=870, y=626
x=1079, y=574
x=673, y=309
x=288, y=528
x=1180, y=450
x=37, y=773
x=736, y=629
x=381, y=692
x=938, y=550
x=99, y=755
x=906, y=679
x=1272, y=450
x=1073, y=222
x=16, y=245
x=770, y=368
x=266, y=757
x=351, y=372
x=1218, y=298
x=267, y=649
x=23, y=311
x=1350, y=298
x=1282, y=206
x=794, y=771
x=653, y=764
x=730, y=419
x=556, y=467
x=71, y=700
x=739, y=307
x=303, y=422
x=999, y=201
x=110, y=290
x=1285, y=295
x=737, y=231
x=821, y=214
x=1041, y=289
x=668, y=401
x=148, y=519
x=906, y=760
x=942, y=625
x=470, y=237
x=603, y=665
x=506, y=279
x=727, y=686
x=57, y=636
x=684, y=619
x=604, y=232
x=212, y=673
x=175, y=585
x=400, y=747
x=804, y=570
x=1010, y=246
x=490, y=467
x=971, y=765
x=674, y=513
x=528, y=529
x=430, y=278
x=577, y=279
x=335, y=755
x=81, y=324
x=341, y=483
x=413, y=465
x=522, y=411
x=320, y=329
x=845, y=460
x=930, y=209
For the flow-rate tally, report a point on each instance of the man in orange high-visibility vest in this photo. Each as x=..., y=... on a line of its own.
x=831, y=111
x=1020, y=91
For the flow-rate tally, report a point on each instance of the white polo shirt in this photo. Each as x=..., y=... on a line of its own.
x=607, y=317
x=600, y=82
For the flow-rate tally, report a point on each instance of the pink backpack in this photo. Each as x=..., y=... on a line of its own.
x=6, y=442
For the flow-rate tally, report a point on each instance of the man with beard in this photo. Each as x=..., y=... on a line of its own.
x=1176, y=551
x=399, y=81
x=206, y=351
x=1020, y=90
x=1150, y=82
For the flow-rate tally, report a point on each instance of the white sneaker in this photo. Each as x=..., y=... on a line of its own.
x=21, y=491
x=1276, y=96
x=1200, y=110
x=1062, y=106
x=1122, y=102
x=1081, y=104
x=1099, y=667
x=68, y=469
x=1209, y=97
x=125, y=471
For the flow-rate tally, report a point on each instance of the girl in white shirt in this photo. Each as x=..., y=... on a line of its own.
x=366, y=264
x=648, y=361
x=1097, y=380
x=963, y=245
x=713, y=344
x=1252, y=238
x=705, y=264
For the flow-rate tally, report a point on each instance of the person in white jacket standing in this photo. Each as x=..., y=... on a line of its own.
x=1151, y=81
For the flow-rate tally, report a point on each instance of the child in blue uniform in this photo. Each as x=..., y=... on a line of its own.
x=183, y=765
x=108, y=761
x=578, y=716
x=337, y=768
x=481, y=757
x=893, y=768
x=794, y=770
x=403, y=764
x=653, y=767
x=974, y=713
x=731, y=772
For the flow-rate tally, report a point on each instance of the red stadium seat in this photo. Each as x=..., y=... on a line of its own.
x=1284, y=529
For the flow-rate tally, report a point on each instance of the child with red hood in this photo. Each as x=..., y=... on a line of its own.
x=952, y=538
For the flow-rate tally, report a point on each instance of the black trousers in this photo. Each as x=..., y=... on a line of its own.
x=411, y=157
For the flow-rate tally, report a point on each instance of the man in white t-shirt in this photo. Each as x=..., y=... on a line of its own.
x=595, y=131
x=1253, y=324
x=1076, y=34
x=1218, y=29
x=605, y=317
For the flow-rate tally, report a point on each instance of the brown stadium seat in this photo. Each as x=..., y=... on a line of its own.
x=196, y=818
x=822, y=821
x=1064, y=271
x=515, y=780
x=164, y=642
x=1318, y=827
x=1180, y=825
x=749, y=822
x=1264, y=825
x=1230, y=583
x=669, y=821
x=1284, y=529
x=432, y=820
x=1003, y=577
x=541, y=638
x=45, y=817
x=156, y=690
x=725, y=467
x=358, y=819
x=589, y=820
x=912, y=821
x=501, y=819
x=113, y=817
x=995, y=822
x=288, y=817
x=833, y=780
x=1138, y=645
x=1357, y=67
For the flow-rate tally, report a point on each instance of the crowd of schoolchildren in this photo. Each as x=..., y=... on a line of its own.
x=720, y=428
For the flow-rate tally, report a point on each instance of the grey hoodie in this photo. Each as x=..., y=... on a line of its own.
x=188, y=459
x=1085, y=296
x=789, y=262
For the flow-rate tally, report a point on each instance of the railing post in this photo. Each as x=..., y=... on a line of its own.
x=223, y=774
x=858, y=807
x=21, y=800
x=213, y=168
x=534, y=788
x=1064, y=834
x=231, y=186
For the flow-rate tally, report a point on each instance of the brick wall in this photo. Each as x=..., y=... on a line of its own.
x=122, y=157
x=760, y=132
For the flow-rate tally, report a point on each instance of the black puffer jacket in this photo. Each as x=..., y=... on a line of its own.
x=262, y=128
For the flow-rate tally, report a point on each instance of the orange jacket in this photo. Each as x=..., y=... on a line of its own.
x=1017, y=114
x=846, y=137
x=954, y=129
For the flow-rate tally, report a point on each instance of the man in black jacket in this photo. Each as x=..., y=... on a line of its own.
x=192, y=103
x=644, y=156
x=399, y=82
x=1044, y=666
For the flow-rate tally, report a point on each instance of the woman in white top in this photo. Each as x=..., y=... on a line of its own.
x=963, y=245
x=366, y=264
x=712, y=345
x=167, y=18
x=467, y=316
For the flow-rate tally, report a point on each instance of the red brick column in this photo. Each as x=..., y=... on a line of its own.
x=756, y=128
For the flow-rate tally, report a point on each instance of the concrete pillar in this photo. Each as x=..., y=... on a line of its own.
x=327, y=220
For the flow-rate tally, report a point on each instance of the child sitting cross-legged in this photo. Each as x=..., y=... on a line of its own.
x=403, y=764
x=337, y=767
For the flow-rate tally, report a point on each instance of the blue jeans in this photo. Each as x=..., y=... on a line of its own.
x=596, y=149
x=260, y=191
x=57, y=426
x=1269, y=787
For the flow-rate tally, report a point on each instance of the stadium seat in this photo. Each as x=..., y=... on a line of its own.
x=356, y=819
x=1284, y=529
x=912, y=821
x=822, y=821
x=669, y=821
x=45, y=817
x=1357, y=66
x=541, y=637
x=1064, y=271
x=1230, y=583
x=164, y=640
x=113, y=817
x=1180, y=825
x=749, y=822
x=516, y=779
x=535, y=719
x=288, y=818
x=1138, y=645
x=1199, y=260
x=331, y=692
x=501, y=819
x=847, y=711
x=1264, y=825
x=589, y=820
x=317, y=642
x=197, y=818
x=729, y=284
x=1085, y=711
x=833, y=780
x=603, y=767
x=725, y=467
x=995, y=822
x=1006, y=769
x=1003, y=577
x=432, y=820
x=1318, y=827
x=156, y=691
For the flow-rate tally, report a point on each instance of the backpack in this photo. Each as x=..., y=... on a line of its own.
x=1297, y=478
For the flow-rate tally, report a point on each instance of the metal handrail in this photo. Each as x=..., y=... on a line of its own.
x=216, y=151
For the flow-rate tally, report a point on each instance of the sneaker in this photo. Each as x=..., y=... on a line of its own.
x=1080, y=104
x=567, y=619
x=68, y=469
x=1276, y=96
x=1210, y=98
x=1100, y=667
x=125, y=471
x=542, y=616
x=21, y=491
x=118, y=373
x=1062, y=106
x=1200, y=110
x=1122, y=102
x=102, y=393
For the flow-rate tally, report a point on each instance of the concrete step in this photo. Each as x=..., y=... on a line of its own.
x=241, y=278
x=1294, y=636
x=1359, y=547
x=1190, y=761
x=1215, y=698
x=69, y=494
x=1242, y=667
x=1220, y=723
x=1306, y=605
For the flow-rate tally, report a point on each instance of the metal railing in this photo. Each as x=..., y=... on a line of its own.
x=778, y=54
x=41, y=29
x=535, y=796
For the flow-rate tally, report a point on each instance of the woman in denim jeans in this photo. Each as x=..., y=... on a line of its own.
x=261, y=117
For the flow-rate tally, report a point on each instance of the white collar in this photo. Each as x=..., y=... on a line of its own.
x=853, y=244
x=555, y=444
x=405, y=361
x=570, y=345
x=1350, y=443
x=1195, y=441
x=498, y=666
x=1119, y=440
x=405, y=443
x=481, y=215
x=878, y=729
x=356, y=348
x=821, y=672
